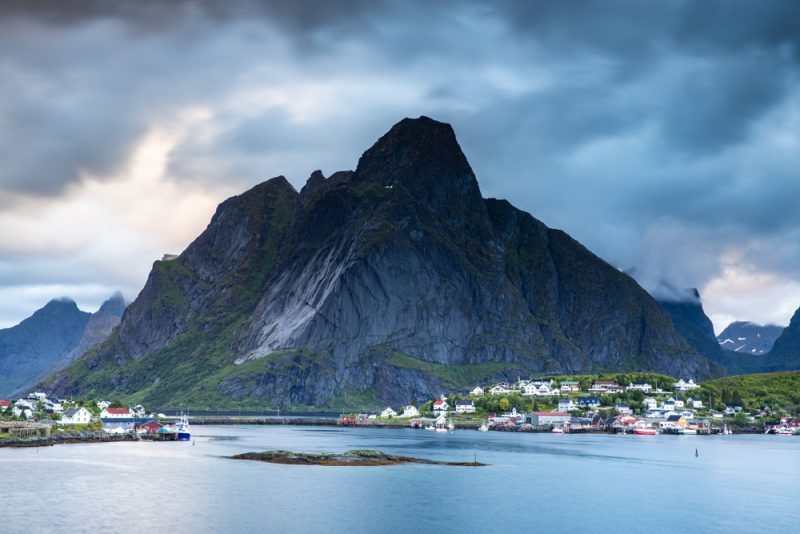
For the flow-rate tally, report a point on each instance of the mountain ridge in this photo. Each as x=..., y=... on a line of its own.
x=389, y=283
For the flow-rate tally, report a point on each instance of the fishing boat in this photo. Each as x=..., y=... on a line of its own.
x=182, y=428
x=783, y=431
x=644, y=431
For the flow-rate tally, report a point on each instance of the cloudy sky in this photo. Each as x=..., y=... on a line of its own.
x=663, y=135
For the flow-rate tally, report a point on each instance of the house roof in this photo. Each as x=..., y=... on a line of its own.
x=562, y=414
x=69, y=412
x=674, y=418
x=118, y=411
x=438, y=402
x=5, y=403
x=464, y=403
x=152, y=423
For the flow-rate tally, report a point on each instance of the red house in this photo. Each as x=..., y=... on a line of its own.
x=150, y=427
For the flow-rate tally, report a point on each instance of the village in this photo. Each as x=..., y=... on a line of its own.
x=572, y=406
x=40, y=415
x=553, y=404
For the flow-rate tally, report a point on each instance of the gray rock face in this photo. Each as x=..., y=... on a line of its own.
x=393, y=282
x=33, y=347
x=98, y=328
x=749, y=338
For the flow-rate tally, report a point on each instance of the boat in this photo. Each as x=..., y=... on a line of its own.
x=726, y=431
x=484, y=427
x=645, y=431
x=782, y=431
x=557, y=430
x=430, y=427
x=182, y=428
x=441, y=429
x=687, y=431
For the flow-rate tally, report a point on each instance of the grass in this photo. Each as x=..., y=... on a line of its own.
x=770, y=389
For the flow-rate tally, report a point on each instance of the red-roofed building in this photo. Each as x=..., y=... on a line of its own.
x=440, y=405
x=150, y=427
x=115, y=413
x=4, y=404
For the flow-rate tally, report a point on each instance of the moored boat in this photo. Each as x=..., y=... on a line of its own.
x=644, y=431
x=557, y=430
x=182, y=429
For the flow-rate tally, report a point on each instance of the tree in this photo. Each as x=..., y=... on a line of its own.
x=503, y=404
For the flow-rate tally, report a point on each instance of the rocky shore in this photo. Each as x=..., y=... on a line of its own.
x=354, y=458
x=63, y=439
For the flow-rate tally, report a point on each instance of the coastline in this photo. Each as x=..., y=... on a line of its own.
x=65, y=439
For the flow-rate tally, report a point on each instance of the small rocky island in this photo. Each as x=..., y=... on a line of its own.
x=351, y=458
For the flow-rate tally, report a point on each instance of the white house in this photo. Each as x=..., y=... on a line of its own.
x=567, y=405
x=465, y=406
x=695, y=403
x=650, y=403
x=115, y=413
x=103, y=404
x=668, y=405
x=656, y=414
x=410, y=411
x=388, y=412
x=501, y=389
x=54, y=405
x=680, y=385
x=678, y=403
x=687, y=414
x=605, y=386
x=641, y=386
x=570, y=386
x=76, y=416
x=25, y=411
x=623, y=408
x=37, y=396
x=478, y=391
x=440, y=406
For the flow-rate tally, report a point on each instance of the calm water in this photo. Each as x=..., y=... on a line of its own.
x=536, y=482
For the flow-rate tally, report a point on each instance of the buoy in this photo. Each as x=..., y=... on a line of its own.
x=696, y=454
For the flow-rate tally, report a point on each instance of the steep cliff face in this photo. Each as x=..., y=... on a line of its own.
x=393, y=282
x=785, y=354
x=691, y=321
x=98, y=328
x=33, y=347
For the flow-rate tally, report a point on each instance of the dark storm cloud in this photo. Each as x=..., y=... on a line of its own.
x=639, y=127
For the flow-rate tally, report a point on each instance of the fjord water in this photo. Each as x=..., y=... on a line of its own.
x=536, y=482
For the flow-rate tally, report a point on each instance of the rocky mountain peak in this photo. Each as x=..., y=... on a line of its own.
x=422, y=157
x=114, y=305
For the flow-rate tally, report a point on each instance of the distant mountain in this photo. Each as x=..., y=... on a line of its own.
x=785, y=353
x=394, y=282
x=30, y=349
x=749, y=338
x=98, y=328
x=685, y=308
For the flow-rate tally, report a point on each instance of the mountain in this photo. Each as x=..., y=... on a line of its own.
x=29, y=350
x=393, y=282
x=98, y=328
x=691, y=321
x=749, y=338
x=785, y=353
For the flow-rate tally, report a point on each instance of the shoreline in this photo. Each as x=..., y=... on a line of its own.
x=66, y=439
